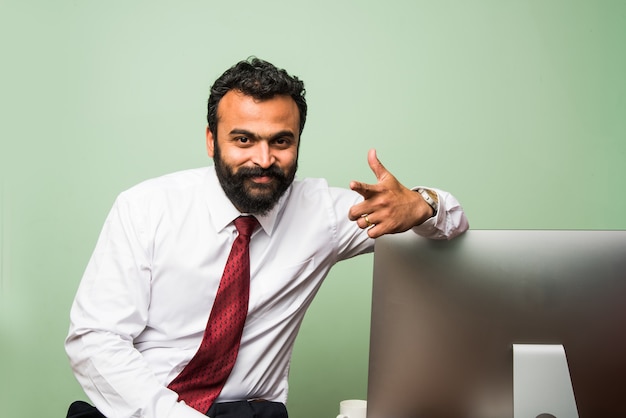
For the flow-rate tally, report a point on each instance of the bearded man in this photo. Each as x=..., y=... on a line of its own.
x=151, y=334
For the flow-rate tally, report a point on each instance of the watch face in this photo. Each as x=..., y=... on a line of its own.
x=428, y=198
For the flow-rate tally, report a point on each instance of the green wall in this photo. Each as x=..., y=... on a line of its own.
x=517, y=107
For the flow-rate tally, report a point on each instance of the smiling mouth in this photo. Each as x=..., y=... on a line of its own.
x=262, y=179
x=261, y=184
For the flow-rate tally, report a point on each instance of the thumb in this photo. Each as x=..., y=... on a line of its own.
x=377, y=167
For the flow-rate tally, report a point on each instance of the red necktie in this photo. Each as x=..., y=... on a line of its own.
x=201, y=381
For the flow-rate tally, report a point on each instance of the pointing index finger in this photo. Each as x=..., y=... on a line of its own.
x=363, y=189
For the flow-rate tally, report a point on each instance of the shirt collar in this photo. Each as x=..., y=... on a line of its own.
x=223, y=212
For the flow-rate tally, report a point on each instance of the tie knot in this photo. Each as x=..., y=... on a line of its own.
x=245, y=225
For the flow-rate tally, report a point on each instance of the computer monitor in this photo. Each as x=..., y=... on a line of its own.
x=446, y=315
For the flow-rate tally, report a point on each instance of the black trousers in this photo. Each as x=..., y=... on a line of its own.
x=239, y=409
x=248, y=409
x=80, y=409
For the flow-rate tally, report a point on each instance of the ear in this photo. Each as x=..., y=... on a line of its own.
x=209, y=142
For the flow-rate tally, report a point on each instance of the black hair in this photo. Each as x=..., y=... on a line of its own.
x=259, y=79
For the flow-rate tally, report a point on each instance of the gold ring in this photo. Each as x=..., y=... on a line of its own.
x=364, y=216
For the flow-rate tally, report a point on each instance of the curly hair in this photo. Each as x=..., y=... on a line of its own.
x=259, y=79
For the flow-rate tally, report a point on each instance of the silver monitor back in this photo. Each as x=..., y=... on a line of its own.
x=445, y=315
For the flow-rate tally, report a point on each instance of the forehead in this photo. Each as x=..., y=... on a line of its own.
x=236, y=108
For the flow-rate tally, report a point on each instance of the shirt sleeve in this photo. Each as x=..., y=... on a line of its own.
x=110, y=309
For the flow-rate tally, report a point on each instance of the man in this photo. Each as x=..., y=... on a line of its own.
x=146, y=304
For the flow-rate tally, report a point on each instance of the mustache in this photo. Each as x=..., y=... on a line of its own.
x=271, y=171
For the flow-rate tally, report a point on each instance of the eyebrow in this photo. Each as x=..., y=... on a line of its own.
x=279, y=134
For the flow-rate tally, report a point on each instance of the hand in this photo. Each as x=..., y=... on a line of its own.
x=388, y=207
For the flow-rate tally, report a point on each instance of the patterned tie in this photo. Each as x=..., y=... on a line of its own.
x=201, y=381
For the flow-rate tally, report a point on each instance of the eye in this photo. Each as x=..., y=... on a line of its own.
x=282, y=142
x=242, y=139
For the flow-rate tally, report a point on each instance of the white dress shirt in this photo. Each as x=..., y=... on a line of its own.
x=141, y=308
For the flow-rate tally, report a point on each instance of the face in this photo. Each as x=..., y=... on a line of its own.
x=256, y=149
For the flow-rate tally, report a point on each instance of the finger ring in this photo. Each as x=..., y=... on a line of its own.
x=364, y=216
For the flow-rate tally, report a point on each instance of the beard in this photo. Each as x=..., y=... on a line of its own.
x=244, y=193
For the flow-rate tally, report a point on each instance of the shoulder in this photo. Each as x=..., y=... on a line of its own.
x=169, y=183
x=314, y=190
x=316, y=193
x=310, y=184
x=176, y=189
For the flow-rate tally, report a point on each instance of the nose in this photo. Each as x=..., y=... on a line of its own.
x=263, y=156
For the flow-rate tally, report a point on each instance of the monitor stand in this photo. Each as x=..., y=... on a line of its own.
x=542, y=386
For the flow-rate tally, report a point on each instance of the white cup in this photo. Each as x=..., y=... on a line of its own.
x=352, y=408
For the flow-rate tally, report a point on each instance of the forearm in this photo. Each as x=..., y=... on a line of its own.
x=118, y=380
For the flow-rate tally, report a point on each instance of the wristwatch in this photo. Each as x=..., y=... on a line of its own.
x=431, y=198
